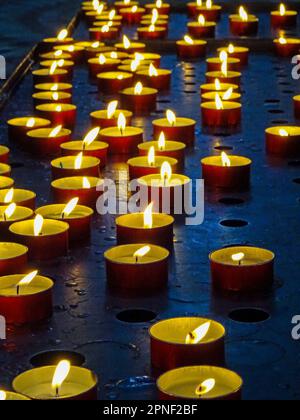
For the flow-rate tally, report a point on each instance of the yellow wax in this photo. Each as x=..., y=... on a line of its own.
x=55, y=40
x=145, y=92
x=156, y=181
x=73, y=48
x=102, y=114
x=51, y=107
x=22, y=122
x=118, y=55
x=12, y=396
x=121, y=75
x=56, y=212
x=236, y=49
x=4, y=168
x=123, y=3
x=68, y=162
x=235, y=161
x=296, y=98
x=146, y=29
x=170, y=146
x=217, y=60
x=48, y=86
x=159, y=23
x=18, y=196
x=219, y=74
x=20, y=213
x=175, y=330
x=204, y=8
x=293, y=131
x=195, y=42
x=115, y=132
x=207, y=24
x=46, y=72
x=10, y=250
x=142, y=162
x=211, y=87
x=6, y=182
x=50, y=227
x=52, y=56
x=44, y=133
x=160, y=72
x=237, y=18
x=39, y=284
x=78, y=146
x=288, y=41
x=211, y=96
x=76, y=183
x=97, y=29
x=160, y=17
x=49, y=63
x=136, y=221
x=147, y=56
x=51, y=96
x=227, y=105
x=286, y=13
x=133, y=45
x=128, y=10
x=87, y=44
x=3, y=150
x=123, y=254
x=252, y=256
x=180, y=122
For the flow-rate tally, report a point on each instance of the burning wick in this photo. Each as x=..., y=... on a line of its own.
x=141, y=253
x=61, y=372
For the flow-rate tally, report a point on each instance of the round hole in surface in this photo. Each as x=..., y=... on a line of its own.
x=281, y=122
x=190, y=83
x=272, y=101
x=294, y=163
x=288, y=91
x=276, y=111
x=234, y=223
x=16, y=165
x=249, y=315
x=223, y=148
x=53, y=357
x=163, y=101
x=296, y=180
x=231, y=201
x=134, y=316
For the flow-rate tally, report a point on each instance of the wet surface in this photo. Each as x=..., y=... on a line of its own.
x=87, y=315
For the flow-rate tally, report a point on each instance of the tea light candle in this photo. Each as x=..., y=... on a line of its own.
x=12, y=396
x=13, y=258
x=137, y=267
x=62, y=39
x=175, y=128
x=25, y=299
x=48, y=97
x=147, y=227
x=23, y=198
x=187, y=341
x=6, y=182
x=46, y=239
x=152, y=32
x=201, y=383
x=220, y=113
x=147, y=165
x=192, y=8
x=243, y=24
x=109, y=117
x=54, y=87
x=130, y=47
x=104, y=33
x=162, y=8
x=241, y=53
x=283, y=18
x=218, y=87
x=159, y=79
x=215, y=63
x=132, y=15
x=87, y=189
x=242, y=268
x=283, y=141
x=59, y=114
x=80, y=165
x=45, y=142
x=122, y=139
x=139, y=99
x=174, y=149
x=5, y=170
x=118, y=5
x=78, y=217
x=10, y=214
x=286, y=47
x=189, y=48
x=202, y=28
x=45, y=383
x=102, y=64
x=232, y=172
x=88, y=147
x=111, y=83
x=18, y=127
x=211, y=12
x=49, y=75
x=4, y=154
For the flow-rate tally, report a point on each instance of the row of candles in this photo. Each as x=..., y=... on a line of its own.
x=144, y=239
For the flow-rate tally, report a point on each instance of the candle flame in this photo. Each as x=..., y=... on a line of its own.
x=188, y=39
x=151, y=28
x=148, y=217
x=70, y=207
x=54, y=87
x=231, y=48
x=158, y=4
x=62, y=35
x=201, y=20
x=114, y=55
x=154, y=16
x=127, y=2
x=217, y=84
x=151, y=156
x=10, y=210
x=162, y=141
x=225, y=159
x=27, y=279
x=282, y=40
x=205, y=387
x=224, y=67
x=60, y=375
x=102, y=59
x=111, y=14
x=38, y=225
x=152, y=71
x=121, y=122
x=283, y=133
x=142, y=251
x=30, y=123
x=282, y=9
x=105, y=29
x=2, y=395
x=95, y=44
x=86, y=183
x=60, y=63
x=111, y=108
x=91, y=136
x=55, y=131
x=166, y=172
x=218, y=102
x=58, y=53
x=134, y=9
x=96, y=4
x=227, y=94
x=58, y=108
x=53, y=67
x=134, y=65
x=238, y=257
x=78, y=161
x=194, y=337
x=100, y=9
x=209, y=4
x=71, y=48
x=223, y=56
x=138, y=88
x=55, y=96
x=199, y=3
x=243, y=14
x=171, y=117
x=126, y=42
x=9, y=196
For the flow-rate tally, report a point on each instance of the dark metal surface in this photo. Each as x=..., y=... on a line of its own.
x=85, y=318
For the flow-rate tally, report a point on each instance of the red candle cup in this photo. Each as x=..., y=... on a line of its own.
x=23, y=198
x=159, y=79
x=173, y=149
x=241, y=53
x=225, y=96
x=242, y=269
x=4, y=154
x=232, y=77
x=240, y=27
x=152, y=32
x=68, y=166
x=26, y=304
x=95, y=149
x=283, y=141
x=132, y=15
x=204, y=30
x=113, y=82
x=88, y=190
x=139, y=99
x=146, y=273
x=191, y=49
x=122, y=141
x=140, y=166
x=192, y=8
x=283, y=18
x=59, y=114
x=78, y=217
x=228, y=114
x=287, y=47
x=19, y=127
x=102, y=64
x=48, y=76
x=13, y=258
x=174, y=128
x=215, y=64
x=135, y=228
x=106, y=118
x=187, y=341
x=227, y=172
x=6, y=182
x=104, y=33
x=51, y=242
x=45, y=142
x=40, y=98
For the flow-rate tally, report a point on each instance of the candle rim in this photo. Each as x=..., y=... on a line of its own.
x=78, y=146
x=21, y=122
x=45, y=211
x=196, y=24
x=138, y=161
x=196, y=42
x=121, y=220
x=129, y=9
x=217, y=74
x=16, y=228
x=21, y=250
x=95, y=60
x=111, y=75
x=289, y=41
x=227, y=105
x=48, y=63
x=274, y=130
x=160, y=72
x=115, y=133
x=87, y=162
x=237, y=48
x=4, y=149
x=135, y=247
x=230, y=60
x=5, y=168
x=52, y=106
x=237, y=18
x=46, y=72
x=60, y=183
x=52, y=56
x=236, y=249
x=23, y=194
x=163, y=122
x=147, y=91
x=213, y=7
x=176, y=146
x=102, y=113
x=44, y=94
x=48, y=283
x=157, y=177
x=61, y=86
x=9, y=182
x=209, y=161
x=15, y=394
x=65, y=47
x=26, y=213
x=44, y=133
